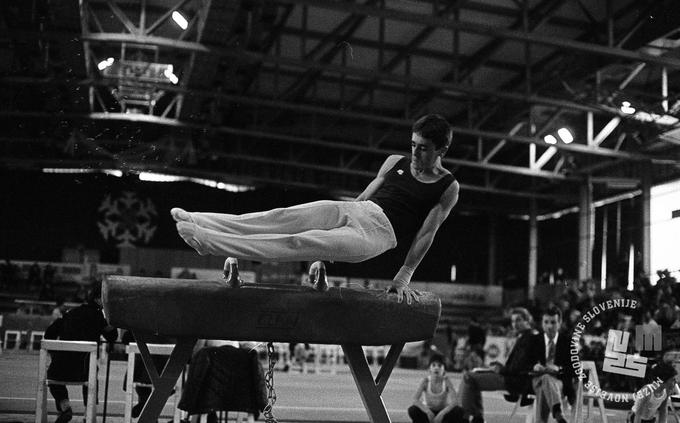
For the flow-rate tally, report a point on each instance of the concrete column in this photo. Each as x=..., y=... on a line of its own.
x=533, y=250
x=603, y=257
x=646, y=219
x=491, y=259
x=586, y=231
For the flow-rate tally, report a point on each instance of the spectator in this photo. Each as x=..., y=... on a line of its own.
x=476, y=337
x=435, y=400
x=552, y=371
x=59, y=309
x=49, y=273
x=34, y=280
x=512, y=377
x=655, y=396
x=83, y=323
x=9, y=274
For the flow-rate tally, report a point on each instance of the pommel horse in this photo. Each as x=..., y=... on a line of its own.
x=190, y=309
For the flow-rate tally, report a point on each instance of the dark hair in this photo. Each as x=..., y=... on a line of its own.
x=95, y=291
x=436, y=358
x=663, y=371
x=434, y=128
x=553, y=311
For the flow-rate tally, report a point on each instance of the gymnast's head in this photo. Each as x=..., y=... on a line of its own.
x=436, y=129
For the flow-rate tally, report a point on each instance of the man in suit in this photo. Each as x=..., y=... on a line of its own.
x=552, y=369
x=512, y=377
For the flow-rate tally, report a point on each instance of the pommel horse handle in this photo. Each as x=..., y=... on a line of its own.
x=231, y=273
x=317, y=276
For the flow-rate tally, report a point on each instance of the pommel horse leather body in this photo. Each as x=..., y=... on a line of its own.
x=189, y=309
x=259, y=312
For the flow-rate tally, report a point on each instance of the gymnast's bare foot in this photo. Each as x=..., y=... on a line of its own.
x=181, y=215
x=189, y=233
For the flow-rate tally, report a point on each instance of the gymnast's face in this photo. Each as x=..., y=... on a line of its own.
x=424, y=154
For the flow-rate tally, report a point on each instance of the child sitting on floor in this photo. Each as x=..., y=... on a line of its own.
x=436, y=400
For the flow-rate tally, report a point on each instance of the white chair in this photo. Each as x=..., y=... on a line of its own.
x=590, y=371
x=35, y=339
x=12, y=339
x=41, y=397
x=154, y=349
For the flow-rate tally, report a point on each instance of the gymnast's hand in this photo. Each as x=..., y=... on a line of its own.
x=400, y=286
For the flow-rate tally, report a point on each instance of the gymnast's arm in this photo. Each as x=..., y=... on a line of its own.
x=422, y=242
x=371, y=188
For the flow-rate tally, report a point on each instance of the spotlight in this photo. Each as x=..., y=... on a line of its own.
x=180, y=20
x=626, y=108
x=168, y=72
x=550, y=139
x=565, y=135
x=105, y=63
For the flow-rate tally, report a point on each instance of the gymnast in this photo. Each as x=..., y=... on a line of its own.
x=405, y=204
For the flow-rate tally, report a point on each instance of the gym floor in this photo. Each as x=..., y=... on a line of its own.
x=300, y=397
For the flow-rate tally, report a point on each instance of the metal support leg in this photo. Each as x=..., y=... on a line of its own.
x=387, y=366
x=369, y=389
x=162, y=383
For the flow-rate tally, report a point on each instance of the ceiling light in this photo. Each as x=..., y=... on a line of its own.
x=112, y=172
x=159, y=177
x=655, y=118
x=180, y=20
x=550, y=139
x=168, y=72
x=105, y=63
x=626, y=108
x=565, y=135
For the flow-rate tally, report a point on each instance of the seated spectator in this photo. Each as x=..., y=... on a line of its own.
x=652, y=405
x=552, y=369
x=512, y=377
x=224, y=378
x=435, y=400
x=59, y=309
x=472, y=360
x=83, y=323
x=476, y=337
x=665, y=315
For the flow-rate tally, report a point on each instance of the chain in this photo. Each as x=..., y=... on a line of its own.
x=268, y=411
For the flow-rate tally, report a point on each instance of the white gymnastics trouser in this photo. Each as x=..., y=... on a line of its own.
x=347, y=231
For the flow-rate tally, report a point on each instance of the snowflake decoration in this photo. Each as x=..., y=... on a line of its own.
x=127, y=219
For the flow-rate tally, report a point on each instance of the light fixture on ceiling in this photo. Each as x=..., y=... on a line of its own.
x=180, y=20
x=565, y=135
x=163, y=177
x=168, y=72
x=550, y=139
x=105, y=63
x=627, y=108
x=112, y=172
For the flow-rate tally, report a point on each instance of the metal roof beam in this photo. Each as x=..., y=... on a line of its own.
x=315, y=109
x=490, y=30
x=284, y=137
x=245, y=55
x=416, y=51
